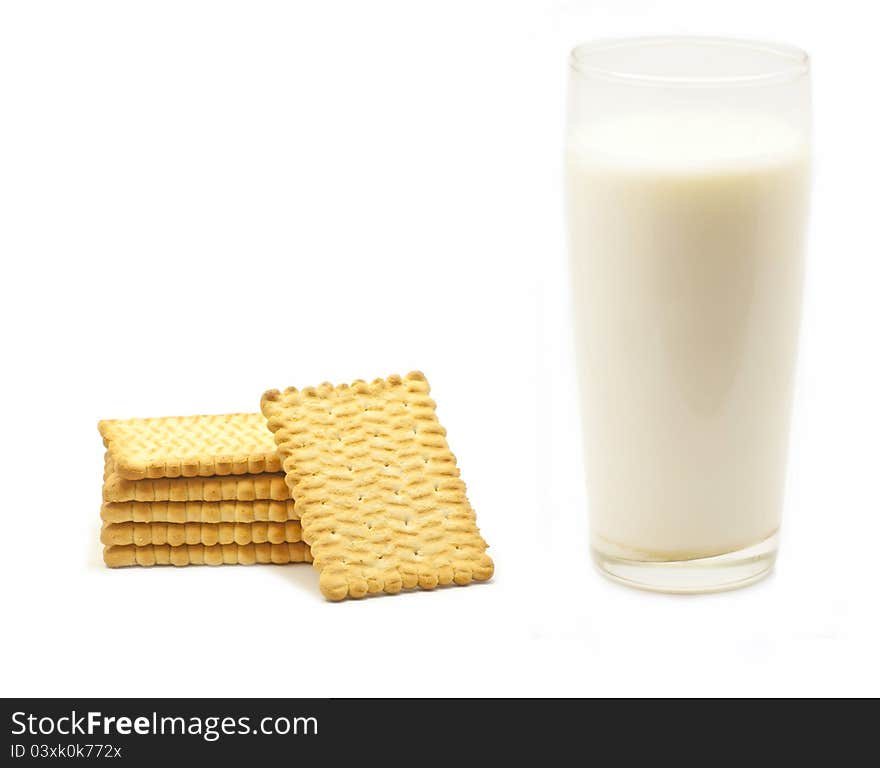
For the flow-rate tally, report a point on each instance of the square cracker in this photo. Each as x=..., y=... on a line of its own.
x=199, y=511
x=377, y=489
x=190, y=446
x=199, y=554
x=178, y=534
x=265, y=486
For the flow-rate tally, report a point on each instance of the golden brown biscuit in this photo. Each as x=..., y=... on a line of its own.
x=199, y=511
x=199, y=554
x=377, y=489
x=231, y=488
x=190, y=446
x=177, y=534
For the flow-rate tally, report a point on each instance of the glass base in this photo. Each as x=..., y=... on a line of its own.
x=730, y=570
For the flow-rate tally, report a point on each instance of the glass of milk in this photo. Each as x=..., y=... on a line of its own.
x=687, y=186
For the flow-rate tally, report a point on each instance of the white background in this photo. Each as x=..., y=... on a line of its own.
x=203, y=200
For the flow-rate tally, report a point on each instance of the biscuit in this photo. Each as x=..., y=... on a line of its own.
x=232, y=488
x=190, y=446
x=199, y=511
x=177, y=534
x=199, y=554
x=377, y=489
x=109, y=467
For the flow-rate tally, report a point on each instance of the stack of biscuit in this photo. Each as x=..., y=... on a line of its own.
x=196, y=490
x=380, y=504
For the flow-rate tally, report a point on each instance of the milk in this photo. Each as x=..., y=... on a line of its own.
x=686, y=242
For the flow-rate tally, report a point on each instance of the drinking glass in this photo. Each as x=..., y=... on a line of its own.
x=687, y=186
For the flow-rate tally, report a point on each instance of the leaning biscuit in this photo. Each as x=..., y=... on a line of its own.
x=199, y=554
x=190, y=446
x=377, y=489
x=177, y=534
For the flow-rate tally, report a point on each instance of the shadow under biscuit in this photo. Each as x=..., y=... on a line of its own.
x=303, y=575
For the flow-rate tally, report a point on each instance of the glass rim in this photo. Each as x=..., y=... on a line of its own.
x=793, y=62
